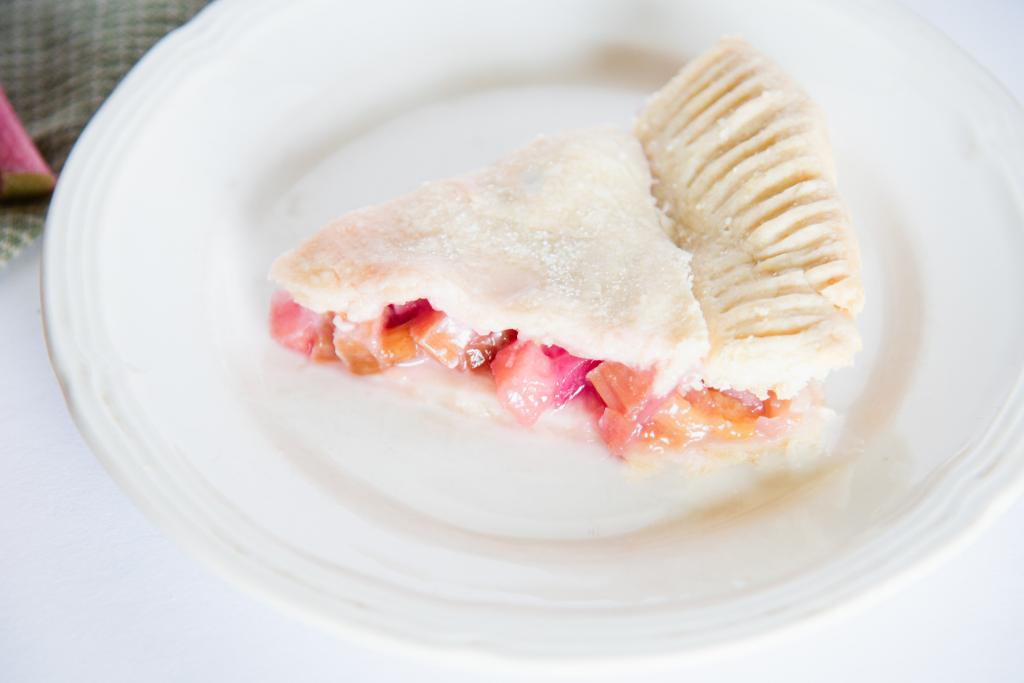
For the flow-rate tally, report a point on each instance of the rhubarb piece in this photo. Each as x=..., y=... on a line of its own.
x=442, y=339
x=23, y=172
x=397, y=345
x=776, y=407
x=618, y=431
x=532, y=379
x=482, y=348
x=396, y=314
x=732, y=406
x=370, y=347
x=672, y=425
x=724, y=415
x=299, y=328
x=358, y=346
x=623, y=389
x=525, y=380
x=323, y=350
x=570, y=374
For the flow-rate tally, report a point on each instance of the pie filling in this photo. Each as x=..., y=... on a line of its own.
x=531, y=379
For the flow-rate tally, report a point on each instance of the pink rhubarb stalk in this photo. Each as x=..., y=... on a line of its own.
x=23, y=173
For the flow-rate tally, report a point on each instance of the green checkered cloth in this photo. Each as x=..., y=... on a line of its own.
x=59, y=59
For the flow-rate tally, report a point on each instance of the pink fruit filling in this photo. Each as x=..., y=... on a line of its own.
x=301, y=329
x=531, y=379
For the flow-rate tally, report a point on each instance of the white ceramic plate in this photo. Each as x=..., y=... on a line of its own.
x=409, y=524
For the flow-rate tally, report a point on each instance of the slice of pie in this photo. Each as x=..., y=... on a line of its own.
x=699, y=313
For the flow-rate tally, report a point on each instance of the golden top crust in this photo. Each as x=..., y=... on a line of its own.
x=560, y=240
x=742, y=165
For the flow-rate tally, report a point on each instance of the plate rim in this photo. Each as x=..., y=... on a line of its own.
x=978, y=507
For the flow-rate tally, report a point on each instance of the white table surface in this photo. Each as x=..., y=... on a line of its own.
x=90, y=590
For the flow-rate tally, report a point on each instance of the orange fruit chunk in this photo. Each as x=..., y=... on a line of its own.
x=623, y=389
